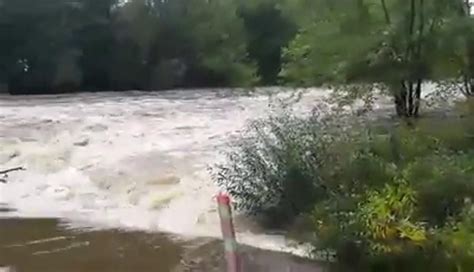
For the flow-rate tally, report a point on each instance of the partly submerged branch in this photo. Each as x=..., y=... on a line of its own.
x=5, y=173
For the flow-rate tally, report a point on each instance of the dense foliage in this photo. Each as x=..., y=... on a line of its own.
x=381, y=196
x=393, y=44
x=95, y=45
x=272, y=169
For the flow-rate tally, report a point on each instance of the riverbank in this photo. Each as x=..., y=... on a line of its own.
x=49, y=245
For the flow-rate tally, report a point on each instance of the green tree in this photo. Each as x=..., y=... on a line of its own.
x=99, y=45
x=135, y=29
x=94, y=37
x=457, y=44
x=269, y=31
x=37, y=49
x=467, y=20
x=220, y=41
x=392, y=44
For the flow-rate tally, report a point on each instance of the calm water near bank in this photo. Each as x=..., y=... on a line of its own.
x=45, y=245
x=49, y=245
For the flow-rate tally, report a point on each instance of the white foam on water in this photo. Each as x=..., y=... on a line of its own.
x=133, y=160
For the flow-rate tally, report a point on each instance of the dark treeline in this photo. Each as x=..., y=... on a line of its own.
x=50, y=46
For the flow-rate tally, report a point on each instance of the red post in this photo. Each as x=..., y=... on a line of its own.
x=228, y=233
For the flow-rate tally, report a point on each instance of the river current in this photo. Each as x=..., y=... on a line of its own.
x=130, y=160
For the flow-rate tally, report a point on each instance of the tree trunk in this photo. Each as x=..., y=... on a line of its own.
x=411, y=30
x=470, y=66
x=408, y=98
x=410, y=102
x=467, y=7
x=416, y=112
x=388, y=20
x=468, y=70
x=419, y=73
x=468, y=73
x=401, y=100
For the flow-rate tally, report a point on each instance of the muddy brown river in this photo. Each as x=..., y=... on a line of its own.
x=37, y=245
x=126, y=177
x=43, y=245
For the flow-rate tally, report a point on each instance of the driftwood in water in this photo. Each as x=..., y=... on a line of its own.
x=5, y=173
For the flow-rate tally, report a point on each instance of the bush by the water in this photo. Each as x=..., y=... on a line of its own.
x=273, y=169
x=382, y=196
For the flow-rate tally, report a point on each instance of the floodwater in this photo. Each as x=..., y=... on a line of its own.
x=43, y=245
x=117, y=166
x=123, y=160
x=37, y=245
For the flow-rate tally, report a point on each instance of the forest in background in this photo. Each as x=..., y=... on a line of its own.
x=52, y=46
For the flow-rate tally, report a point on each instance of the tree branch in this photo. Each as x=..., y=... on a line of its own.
x=4, y=172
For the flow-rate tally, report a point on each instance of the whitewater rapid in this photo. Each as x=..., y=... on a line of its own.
x=127, y=160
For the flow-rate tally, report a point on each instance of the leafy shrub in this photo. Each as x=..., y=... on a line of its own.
x=413, y=195
x=405, y=202
x=456, y=243
x=386, y=220
x=273, y=168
